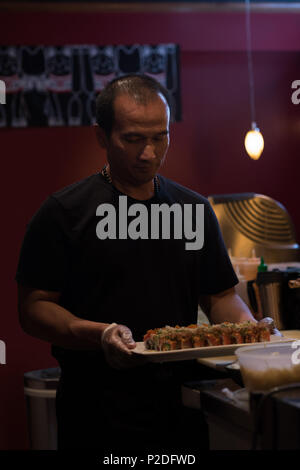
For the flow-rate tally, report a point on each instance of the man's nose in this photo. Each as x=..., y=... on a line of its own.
x=148, y=152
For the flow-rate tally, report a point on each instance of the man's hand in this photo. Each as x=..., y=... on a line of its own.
x=117, y=344
x=269, y=322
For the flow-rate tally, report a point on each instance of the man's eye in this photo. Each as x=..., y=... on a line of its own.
x=140, y=139
x=133, y=139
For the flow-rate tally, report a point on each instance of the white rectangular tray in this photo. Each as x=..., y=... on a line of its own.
x=194, y=353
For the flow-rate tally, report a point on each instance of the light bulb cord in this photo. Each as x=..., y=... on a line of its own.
x=250, y=64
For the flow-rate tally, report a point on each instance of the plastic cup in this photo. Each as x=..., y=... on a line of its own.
x=249, y=268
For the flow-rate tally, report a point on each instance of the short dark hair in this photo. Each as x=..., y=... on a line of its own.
x=141, y=88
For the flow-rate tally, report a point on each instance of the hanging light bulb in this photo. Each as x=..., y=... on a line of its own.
x=254, y=142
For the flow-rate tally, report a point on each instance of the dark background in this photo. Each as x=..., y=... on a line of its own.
x=206, y=154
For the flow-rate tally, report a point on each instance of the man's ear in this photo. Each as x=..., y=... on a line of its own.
x=101, y=136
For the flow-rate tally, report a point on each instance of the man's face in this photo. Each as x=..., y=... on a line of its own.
x=139, y=139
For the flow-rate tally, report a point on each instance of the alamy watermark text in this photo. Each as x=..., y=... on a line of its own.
x=160, y=221
x=296, y=354
x=2, y=352
x=2, y=92
x=296, y=94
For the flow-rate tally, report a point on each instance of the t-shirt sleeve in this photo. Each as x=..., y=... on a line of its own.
x=43, y=256
x=215, y=269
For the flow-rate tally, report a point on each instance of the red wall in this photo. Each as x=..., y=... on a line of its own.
x=206, y=152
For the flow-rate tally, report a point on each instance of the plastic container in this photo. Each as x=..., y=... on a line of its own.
x=267, y=366
x=245, y=268
x=249, y=268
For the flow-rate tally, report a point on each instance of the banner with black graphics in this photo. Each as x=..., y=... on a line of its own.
x=57, y=85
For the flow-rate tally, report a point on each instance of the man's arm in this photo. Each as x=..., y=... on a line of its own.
x=41, y=316
x=227, y=306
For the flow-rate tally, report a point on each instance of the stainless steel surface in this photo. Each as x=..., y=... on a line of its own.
x=271, y=302
x=40, y=393
x=254, y=221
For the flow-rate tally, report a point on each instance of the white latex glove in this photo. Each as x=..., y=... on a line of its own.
x=117, y=344
x=269, y=322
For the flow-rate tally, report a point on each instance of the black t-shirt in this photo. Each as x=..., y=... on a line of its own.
x=141, y=283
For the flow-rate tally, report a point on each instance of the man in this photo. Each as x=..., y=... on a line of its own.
x=93, y=295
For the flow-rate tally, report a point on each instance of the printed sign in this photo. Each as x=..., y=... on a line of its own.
x=57, y=85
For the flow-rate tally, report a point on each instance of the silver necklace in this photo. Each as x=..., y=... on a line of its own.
x=109, y=180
